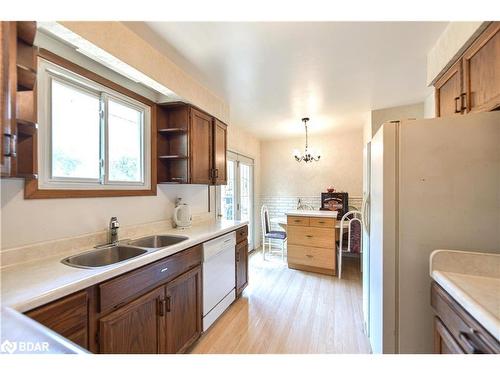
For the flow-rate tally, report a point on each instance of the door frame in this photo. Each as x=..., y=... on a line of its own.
x=238, y=158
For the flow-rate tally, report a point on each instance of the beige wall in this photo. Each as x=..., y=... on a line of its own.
x=341, y=165
x=379, y=116
x=449, y=46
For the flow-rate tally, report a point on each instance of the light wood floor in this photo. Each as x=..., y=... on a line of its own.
x=289, y=311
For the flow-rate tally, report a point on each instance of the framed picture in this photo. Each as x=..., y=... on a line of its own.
x=335, y=202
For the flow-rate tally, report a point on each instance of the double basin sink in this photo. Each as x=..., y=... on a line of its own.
x=120, y=252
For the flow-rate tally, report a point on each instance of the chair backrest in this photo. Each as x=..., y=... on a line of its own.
x=351, y=220
x=264, y=219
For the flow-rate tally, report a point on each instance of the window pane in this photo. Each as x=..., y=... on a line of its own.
x=227, y=193
x=245, y=191
x=125, y=142
x=75, y=132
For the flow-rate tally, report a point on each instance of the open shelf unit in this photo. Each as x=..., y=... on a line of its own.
x=173, y=144
x=20, y=128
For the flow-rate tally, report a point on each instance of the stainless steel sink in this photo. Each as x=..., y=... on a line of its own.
x=157, y=242
x=103, y=257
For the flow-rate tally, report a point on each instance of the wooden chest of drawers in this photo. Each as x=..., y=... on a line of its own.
x=311, y=244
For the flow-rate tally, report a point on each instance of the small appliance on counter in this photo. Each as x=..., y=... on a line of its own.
x=182, y=215
x=335, y=201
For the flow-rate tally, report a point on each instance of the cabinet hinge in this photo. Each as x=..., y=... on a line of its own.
x=97, y=337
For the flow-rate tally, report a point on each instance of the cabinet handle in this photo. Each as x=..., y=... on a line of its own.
x=164, y=269
x=216, y=173
x=463, y=101
x=297, y=221
x=161, y=307
x=321, y=222
x=457, y=110
x=168, y=303
x=309, y=256
x=237, y=256
x=309, y=235
x=470, y=342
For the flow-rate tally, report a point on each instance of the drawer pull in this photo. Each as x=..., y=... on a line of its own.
x=164, y=269
x=321, y=222
x=309, y=236
x=470, y=342
x=309, y=256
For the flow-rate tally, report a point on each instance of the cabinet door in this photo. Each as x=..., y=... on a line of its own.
x=200, y=152
x=136, y=328
x=481, y=65
x=184, y=312
x=448, y=89
x=220, y=153
x=241, y=266
x=444, y=343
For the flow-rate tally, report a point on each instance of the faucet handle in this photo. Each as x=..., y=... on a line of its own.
x=113, y=223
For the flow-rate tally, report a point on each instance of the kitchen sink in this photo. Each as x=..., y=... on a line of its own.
x=157, y=242
x=104, y=256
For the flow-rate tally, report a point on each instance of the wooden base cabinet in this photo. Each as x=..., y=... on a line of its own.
x=241, y=257
x=165, y=320
x=311, y=244
x=455, y=330
x=183, y=311
x=137, y=328
x=67, y=316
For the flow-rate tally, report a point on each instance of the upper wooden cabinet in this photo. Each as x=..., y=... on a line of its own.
x=18, y=99
x=200, y=145
x=448, y=90
x=220, y=152
x=472, y=84
x=192, y=146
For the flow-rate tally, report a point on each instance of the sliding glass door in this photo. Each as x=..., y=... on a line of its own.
x=235, y=200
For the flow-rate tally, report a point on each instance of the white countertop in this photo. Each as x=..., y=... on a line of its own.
x=25, y=286
x=312, y=213
x=473, y=280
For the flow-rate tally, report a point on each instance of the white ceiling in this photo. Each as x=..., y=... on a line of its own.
x=272, y=74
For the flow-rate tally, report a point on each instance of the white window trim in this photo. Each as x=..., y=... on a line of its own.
x=46, y=72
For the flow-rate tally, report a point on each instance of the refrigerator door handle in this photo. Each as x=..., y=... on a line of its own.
x=365, y=212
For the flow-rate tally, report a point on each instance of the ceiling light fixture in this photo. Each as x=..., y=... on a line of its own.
x=309, y=154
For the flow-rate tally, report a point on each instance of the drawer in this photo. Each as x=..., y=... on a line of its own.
x=241, y=234
x=298, y=220
x=67, y=316
x=326, y=222
x=311, y=236
x=116, y=292
x=466, y=331
x=311, y=256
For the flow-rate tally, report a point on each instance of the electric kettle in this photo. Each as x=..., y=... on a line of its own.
x=182, y=216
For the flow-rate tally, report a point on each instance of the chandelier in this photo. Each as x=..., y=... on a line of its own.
x=309, y=154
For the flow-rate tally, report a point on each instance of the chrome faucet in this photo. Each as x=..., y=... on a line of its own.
x=113, y=230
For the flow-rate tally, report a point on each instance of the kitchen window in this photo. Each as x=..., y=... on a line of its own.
x=90, y=136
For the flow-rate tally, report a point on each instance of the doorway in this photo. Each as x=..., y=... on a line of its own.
x=235, y=201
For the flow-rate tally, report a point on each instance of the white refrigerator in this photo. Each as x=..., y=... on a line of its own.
x=434, y=184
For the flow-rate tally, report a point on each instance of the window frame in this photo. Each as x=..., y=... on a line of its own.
x=60, y=187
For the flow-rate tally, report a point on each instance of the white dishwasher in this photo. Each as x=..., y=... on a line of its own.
x=219, y=277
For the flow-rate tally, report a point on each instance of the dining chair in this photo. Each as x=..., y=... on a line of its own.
x=350, y=241
x=268, y=235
